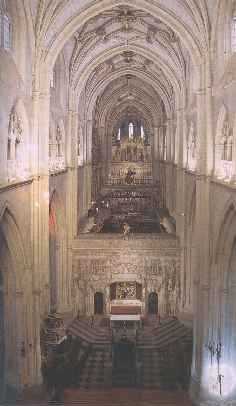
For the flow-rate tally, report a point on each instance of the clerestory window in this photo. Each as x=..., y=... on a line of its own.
x=131, y=131
x=233, y=33
x=5, y=31
x=142, y=132
x=118, y=135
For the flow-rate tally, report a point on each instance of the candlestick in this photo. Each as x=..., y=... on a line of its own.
x=220, y=377
x=218, y=354
x=211, y=347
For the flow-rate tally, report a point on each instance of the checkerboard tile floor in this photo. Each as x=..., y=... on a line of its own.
x=150, y=371
x=97, y=370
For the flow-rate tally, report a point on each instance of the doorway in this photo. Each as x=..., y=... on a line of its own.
x=98, y=303
x=153, y=303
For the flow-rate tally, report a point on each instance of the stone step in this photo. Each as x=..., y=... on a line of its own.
x=129, y=397
x=114, y=397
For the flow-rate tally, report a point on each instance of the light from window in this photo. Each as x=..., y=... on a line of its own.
x=142, y=133
x=5, y=31
x=118, y=135
x=53, y=79
x=233, y=35
x=131, y=131
x=1, y=30
x=8, y=149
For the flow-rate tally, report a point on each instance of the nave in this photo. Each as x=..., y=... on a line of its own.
x=118, y=199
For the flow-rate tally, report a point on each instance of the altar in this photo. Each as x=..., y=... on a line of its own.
x=125, y=325
x=126, y=317
x=125, y=308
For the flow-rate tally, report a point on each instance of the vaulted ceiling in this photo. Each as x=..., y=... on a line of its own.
x=125, y=58
x=126, y=62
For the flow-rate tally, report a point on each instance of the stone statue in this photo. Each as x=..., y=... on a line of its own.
x=167, y=224
x=227, y=142
x=129, y=178
x=126, y=231
x=15, y=130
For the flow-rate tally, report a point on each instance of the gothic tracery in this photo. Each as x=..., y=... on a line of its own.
x=74, y=76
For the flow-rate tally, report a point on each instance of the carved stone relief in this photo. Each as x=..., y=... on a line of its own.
x=159, y=273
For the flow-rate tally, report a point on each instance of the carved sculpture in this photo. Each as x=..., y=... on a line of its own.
x=168, y=225
x=14, y=134
x=226, y=142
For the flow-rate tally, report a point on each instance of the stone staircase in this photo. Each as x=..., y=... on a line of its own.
x=153, y=375
x=164, y=353
x=113, y=397
x=150, y=368
x=97, y=372
x=126, y=397
x=166, y=333
x=156, y=363
x=90, y=332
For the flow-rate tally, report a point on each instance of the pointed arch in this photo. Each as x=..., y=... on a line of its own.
x=223, y=145
x=16, y=284
x=13, y=238
x=56, y=210
x=225, y=259
x=226, y=231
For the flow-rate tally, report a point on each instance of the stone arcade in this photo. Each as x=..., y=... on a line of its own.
x=118, y=176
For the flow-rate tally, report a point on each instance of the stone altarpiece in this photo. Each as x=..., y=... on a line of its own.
x=154, y=263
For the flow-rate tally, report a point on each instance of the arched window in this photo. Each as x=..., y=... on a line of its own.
x=53, y=79
x=233, y=30
x=59, y=142
x=142, y=132
x=118, y=135
x=191, y=158
x=8, y=149
x=131, y=131
x=224, y=146
x=5, y=31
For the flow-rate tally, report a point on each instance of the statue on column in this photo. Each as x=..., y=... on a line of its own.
x=14, y=134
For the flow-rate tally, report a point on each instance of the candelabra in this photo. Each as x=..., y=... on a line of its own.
x=216, y=350
x=218, y=354
x=211, y=348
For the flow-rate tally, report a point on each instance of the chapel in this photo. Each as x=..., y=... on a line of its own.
x=118, y=202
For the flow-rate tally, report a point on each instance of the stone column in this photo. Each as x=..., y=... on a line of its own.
x=40, y=217
x=180, y=196
x=36, y=337
x=40, y=196
x=155, y=155
x=233, y=179
x=72, y=200
x=205, y=311
x=102, y=138
x=169, y=135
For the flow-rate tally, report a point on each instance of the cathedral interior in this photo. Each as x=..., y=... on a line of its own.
x=118, y=202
